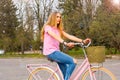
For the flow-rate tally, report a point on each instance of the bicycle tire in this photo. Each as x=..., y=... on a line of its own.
x=43, y=73
x=101, y=73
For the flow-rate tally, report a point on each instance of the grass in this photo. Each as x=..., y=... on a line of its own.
x=112, y=51
x=75, y=52
x=29, y=55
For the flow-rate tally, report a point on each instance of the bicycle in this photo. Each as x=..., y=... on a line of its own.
x=85, y=71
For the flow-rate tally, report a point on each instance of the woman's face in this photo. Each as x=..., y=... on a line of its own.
x=58, y=18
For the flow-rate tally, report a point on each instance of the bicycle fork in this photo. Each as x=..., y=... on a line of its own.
x=92, y=75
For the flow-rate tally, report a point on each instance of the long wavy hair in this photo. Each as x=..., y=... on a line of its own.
x=52, y=22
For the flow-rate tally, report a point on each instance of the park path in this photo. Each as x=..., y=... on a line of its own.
x=15, y=68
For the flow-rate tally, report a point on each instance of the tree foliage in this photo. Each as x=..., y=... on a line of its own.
x=8, y=23
x=105, y=29
x=31, y=19
x=84, y=18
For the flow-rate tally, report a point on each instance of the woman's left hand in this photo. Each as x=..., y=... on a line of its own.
x=70, y=44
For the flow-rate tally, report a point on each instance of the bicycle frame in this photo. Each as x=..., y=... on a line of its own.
x=85, y=65
x=80, y=70
x=32, y=67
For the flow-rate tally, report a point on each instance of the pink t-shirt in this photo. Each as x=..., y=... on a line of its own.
x=50, y=44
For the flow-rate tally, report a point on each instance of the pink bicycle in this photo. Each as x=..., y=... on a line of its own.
x=85, y=71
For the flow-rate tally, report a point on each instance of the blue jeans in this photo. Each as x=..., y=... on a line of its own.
x=65, y=62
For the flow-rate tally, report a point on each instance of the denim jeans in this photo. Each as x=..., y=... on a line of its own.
x=65, y=62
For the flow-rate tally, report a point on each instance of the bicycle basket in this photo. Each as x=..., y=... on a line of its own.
x=96, y=54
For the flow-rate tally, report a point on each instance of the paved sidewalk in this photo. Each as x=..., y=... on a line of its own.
x=113, y=57
x=15, y=69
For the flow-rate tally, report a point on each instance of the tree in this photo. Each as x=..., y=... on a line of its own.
x=41, y=9
x=8, y=23
x=94, y=19
x=78, y=15
x=31, y=16
x=104, y=30
x=115, y=31
x=25, y=30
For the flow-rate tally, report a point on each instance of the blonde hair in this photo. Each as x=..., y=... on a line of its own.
x=52, y=22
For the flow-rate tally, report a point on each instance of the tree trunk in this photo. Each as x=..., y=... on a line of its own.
x=22, y=48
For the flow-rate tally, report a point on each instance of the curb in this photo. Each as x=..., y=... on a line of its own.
x=113, y=56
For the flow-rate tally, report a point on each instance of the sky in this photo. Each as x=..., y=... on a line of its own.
x=19, y=0
x=55, y=3
x=17, y=3
x=116, y=3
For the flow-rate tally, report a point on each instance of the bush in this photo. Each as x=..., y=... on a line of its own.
x=77, y=53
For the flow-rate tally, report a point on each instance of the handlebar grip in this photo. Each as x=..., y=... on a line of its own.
x=82, y=44
x=78, y=43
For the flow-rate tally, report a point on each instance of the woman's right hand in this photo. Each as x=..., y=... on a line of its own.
x=70, y=44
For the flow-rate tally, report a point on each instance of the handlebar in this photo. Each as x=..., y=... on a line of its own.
x=83, y=45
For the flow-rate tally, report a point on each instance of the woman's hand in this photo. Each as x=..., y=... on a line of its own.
x=86, y=41
x=70, y=44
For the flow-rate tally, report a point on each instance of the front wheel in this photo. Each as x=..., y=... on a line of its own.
x=100, y=74
x=43, y=73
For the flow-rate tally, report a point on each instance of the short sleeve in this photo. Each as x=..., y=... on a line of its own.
x=47, y=28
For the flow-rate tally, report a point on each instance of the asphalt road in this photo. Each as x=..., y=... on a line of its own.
x=15, y=69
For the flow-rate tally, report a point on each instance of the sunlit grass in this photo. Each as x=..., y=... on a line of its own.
x=28, y=55
x=77, y=53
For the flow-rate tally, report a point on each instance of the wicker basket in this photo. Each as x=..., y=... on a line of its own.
x=96, y=54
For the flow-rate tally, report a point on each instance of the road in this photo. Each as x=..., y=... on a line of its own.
x=15, y=68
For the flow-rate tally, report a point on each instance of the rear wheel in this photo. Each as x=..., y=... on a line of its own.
x=100, y=74
x=43, y=73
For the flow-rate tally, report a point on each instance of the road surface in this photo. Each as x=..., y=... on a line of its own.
x=15, y=68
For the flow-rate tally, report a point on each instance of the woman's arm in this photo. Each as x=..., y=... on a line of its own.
x=55, y=36
x=70, y=44
x=71, y=37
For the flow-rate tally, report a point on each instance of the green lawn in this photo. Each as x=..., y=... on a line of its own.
x=34, y=55
x=76, y=52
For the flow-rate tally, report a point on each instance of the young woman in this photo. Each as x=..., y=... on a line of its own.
x=52, y=35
